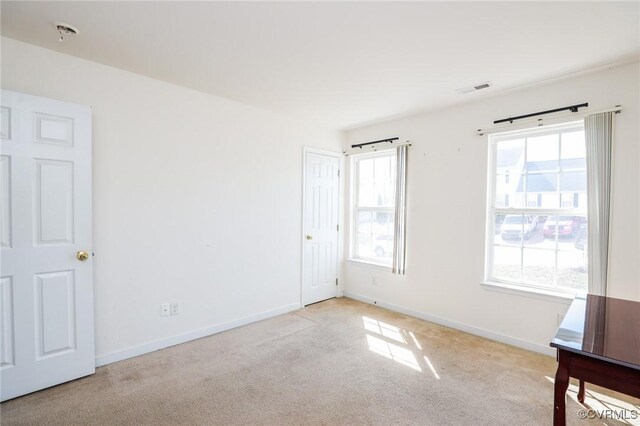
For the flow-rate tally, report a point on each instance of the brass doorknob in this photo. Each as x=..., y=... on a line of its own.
x=82, y=256
x=309, y=237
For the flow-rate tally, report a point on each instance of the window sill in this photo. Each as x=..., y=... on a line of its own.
x=535, y=293
x=363, y=262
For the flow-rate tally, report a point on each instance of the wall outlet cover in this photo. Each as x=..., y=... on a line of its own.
x=175, y=308
x=164, y=310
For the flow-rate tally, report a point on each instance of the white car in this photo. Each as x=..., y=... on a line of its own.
x=516, y=226
x=384, y=245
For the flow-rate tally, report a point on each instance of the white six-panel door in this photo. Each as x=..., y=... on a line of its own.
x=320, y=222
x=46, y=289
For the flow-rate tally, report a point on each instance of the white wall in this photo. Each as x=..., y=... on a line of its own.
x=447, y=175
x=197, y=199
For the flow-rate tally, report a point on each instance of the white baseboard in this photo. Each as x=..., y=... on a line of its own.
x=190, y=335
x=535, y=347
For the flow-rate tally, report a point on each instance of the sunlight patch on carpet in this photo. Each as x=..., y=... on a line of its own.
x=396, y=344
x=392, y=351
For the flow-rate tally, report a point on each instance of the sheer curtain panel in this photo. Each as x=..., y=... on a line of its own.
x=400, y=240
x=599, y=140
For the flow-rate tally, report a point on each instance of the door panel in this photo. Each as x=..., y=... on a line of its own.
x=6, y=322
x=54, y=202
x=53, y=129
x=5, y=123
x=55, y=313
x=5, y=199
x=320, y=264
x=46, y=293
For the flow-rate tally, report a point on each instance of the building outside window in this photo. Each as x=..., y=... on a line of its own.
x=538, y=216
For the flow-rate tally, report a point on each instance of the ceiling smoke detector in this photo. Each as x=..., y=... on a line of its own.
x=474, y=88
x=65, y=29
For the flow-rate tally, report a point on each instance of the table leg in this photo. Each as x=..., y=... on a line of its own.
x=581, y=392
x=560, y=388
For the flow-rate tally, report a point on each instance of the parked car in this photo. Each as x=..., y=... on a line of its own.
x=582, y=241
x=517, y=226
x=498, y=224
x=384, y=245
x=565, y=226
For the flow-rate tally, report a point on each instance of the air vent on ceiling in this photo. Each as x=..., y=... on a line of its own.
x=473, y=88
x=65, y=29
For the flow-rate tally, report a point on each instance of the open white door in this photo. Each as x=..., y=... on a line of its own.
x=320, y=223
x=46, y=285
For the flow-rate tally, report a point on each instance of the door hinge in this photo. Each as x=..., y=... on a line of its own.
x=338, y=228
x=336, y=281
x=338, y=173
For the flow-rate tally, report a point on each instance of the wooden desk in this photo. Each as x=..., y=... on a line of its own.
x=598, y=342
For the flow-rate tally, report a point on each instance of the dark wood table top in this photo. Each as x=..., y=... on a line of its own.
x=602, y=327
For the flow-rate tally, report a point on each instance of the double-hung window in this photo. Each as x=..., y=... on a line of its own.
x=537, y=208
x=373, y=194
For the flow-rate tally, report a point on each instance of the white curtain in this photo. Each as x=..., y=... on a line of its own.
x=400, y=225
x=599, y=139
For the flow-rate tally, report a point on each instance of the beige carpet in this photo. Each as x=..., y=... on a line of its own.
x=336, y=363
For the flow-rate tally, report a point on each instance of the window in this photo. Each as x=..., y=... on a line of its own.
x=374, y=183
x=537, y=229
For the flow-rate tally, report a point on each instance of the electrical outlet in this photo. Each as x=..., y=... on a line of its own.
x=164, y=310
x=175, y=308
x=373, y=280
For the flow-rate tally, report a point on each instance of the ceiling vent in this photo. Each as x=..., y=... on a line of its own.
x=65, y=29
x=474, y=88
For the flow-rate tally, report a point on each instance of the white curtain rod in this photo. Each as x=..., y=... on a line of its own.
x=541, y=121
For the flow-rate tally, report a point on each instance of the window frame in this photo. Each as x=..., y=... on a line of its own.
x=355, y=209
x=492, y=211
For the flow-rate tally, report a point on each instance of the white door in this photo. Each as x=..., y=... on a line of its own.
x=46, y=284
x=321, y=207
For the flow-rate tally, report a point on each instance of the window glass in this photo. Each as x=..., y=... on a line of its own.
x=538, y=236
x=374, y=209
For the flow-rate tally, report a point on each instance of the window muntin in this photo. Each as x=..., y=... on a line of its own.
x=374, y=207
x=538, y=217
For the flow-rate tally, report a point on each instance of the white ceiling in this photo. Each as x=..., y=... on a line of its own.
x=343, y=64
